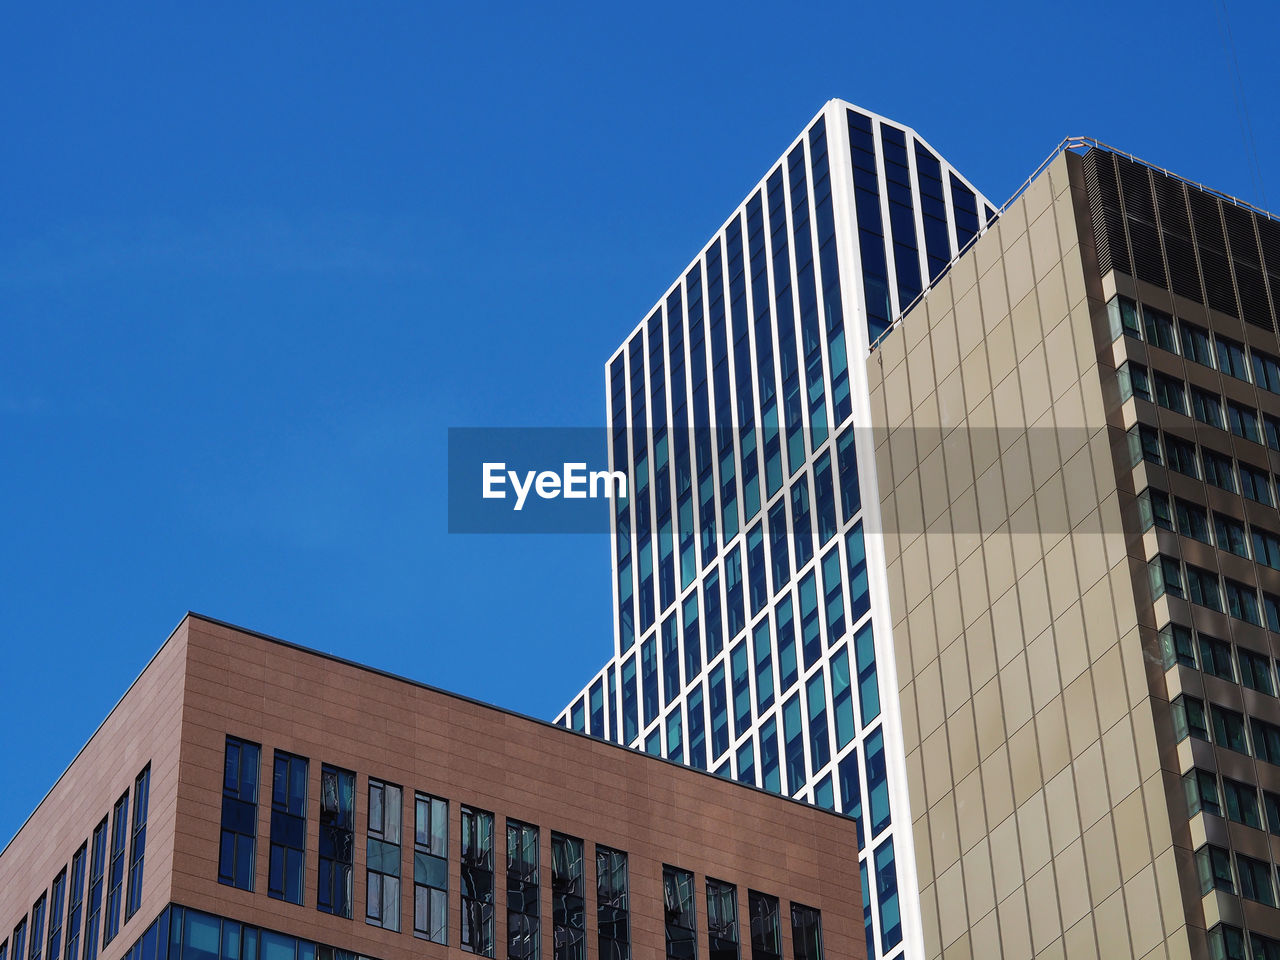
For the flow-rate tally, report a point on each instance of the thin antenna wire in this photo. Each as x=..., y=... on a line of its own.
x=1242, y=105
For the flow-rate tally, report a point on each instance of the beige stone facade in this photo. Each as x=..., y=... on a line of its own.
x=1039, y=802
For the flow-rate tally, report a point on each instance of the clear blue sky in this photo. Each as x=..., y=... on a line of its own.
x=255, y=259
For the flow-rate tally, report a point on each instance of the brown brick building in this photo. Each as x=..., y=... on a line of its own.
x=248, y=799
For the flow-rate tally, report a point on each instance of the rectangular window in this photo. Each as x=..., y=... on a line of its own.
x=877, y=783
x=115, y=876
x=1256, y=485
x=1181, y=455
x=1271, y=805
x=1213, y=865
x=741, y=689
x=20, y=940
x=75, y=903
x=1266, y=371
x=806, y=932
x=477, y=882
x=239, y=814
x=1241, y=802
x=1207, y=408
x=887, y=890
x=1123, y=316
x=1176, y=646
x=1201, y=790
x=834, y=595
x=1144, y=444
x=1230, y=535
x=523, y=940
x=1154, y=509
x=1255, y=880
x=1266, y=740
x=1202, y=588
x=612, y=907
x=1266, y=547
x=382, y=857
x=766, y=927
x=1170, y=393
x=1271, y=431
x=719, y=704
x=680, y=912
x=793, y=739
x=337, y=841
x=431, y=868
x=762, y=648
x=722, y=920
x=1196, y=344
x=1228, y=729
x=1192, y=519
x=568, y=890
x=137, y=843
x=1133, y=381
x=819, y=745
x=1243, y=421
x=97, y=872
x=868, y=688
x=1188, y=718
x=1226, y=943
x=1219, y=470
x=1271, y=606
x=1255, y=671
x=1158, y=328
x=1231, y=358
x=1215, y=658
x=288, y=827
x=36, y=949
x=1242, y=602
x=57, y=900
x=1263, y=948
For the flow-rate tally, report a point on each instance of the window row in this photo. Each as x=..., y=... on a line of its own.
x=72, y=921
x=1226, y=942
x=477, y=901
x=1157, y=508
x=1169, y=575
x=723, y=938
x=1252, y=879
x=1217, y=658
x=1200, y=463
x=181, y=933
x=1206, y=792
x=1195, y=343
x=1231, y=729
x=1242, y=420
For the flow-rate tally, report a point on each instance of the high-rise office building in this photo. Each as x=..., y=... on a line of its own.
x=1067, y=461
x=248, y=799
x=751, y=621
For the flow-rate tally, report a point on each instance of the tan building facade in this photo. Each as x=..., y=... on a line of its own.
x=1076, y=531
x=274, y=774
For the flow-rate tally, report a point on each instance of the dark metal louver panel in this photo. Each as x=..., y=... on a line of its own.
x=1246, y=262
x=1175, y=223
x=1206, y=220
x=1140, y=211
x=1105, y=211
x=1269, y=242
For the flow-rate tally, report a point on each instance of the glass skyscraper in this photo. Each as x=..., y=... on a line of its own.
x=750, y=612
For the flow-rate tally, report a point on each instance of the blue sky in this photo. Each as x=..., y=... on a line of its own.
x=256, y=259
